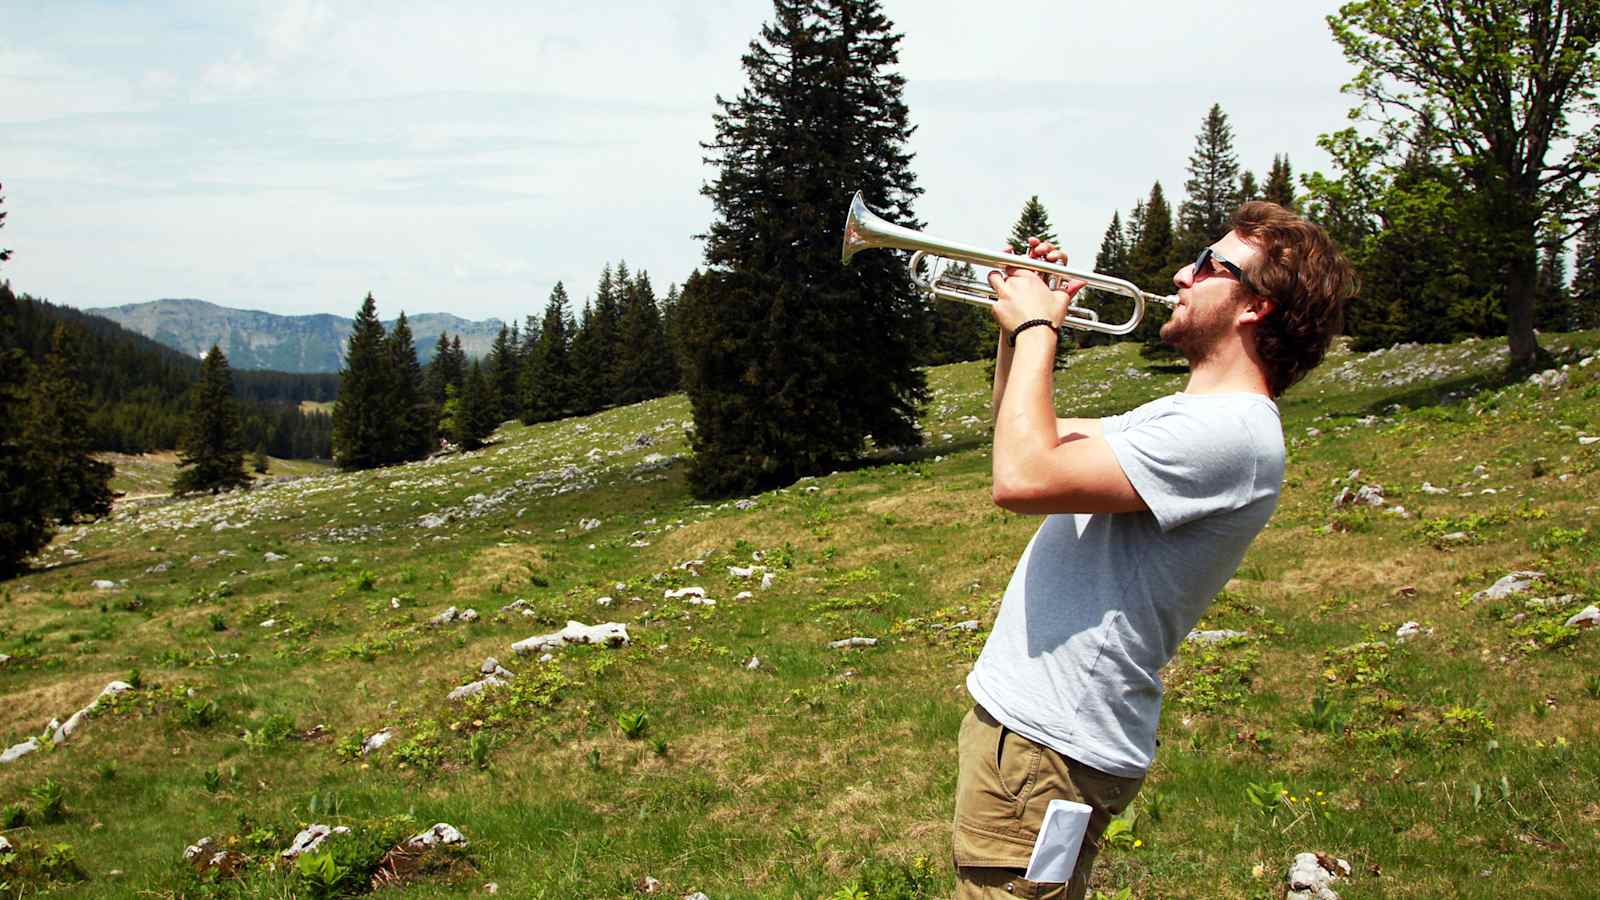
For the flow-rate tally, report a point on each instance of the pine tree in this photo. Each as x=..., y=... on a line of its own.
x=1213, y=186
x=438, y=372
x=1248, y=188
x=1586, y=278
x=1113, y=256
x=644, y=365
x=24, y=526
x=1280, y=184
x=361, y=414
x=1150, y=261
x=792, y=360
x=1552, y=304
x=503, y=375
x=56, y=432
x=413, y=421
x=211, y=457
x=547, y=385
x=475, y=415
x=589, y=364
x=959, y=331
x=1032, y=222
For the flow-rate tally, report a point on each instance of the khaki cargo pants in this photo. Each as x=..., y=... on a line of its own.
x=1003, y=786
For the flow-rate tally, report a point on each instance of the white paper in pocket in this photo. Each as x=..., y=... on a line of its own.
x=1055, y=853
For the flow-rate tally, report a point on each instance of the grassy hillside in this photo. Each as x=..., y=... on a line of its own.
x=729, y=749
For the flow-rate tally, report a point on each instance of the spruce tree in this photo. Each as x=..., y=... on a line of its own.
x=1248, y=188
x=211, y=456
x=24, y=525
x=547, y=385
x=1032, y=222
x=1280, y=184
x=438, y=377
x=1151, y=261
x=413, y=420
x=793, y=360
x=503, y=375
x=1213, y=187
x=589, y=364
x=959, y=331
x=1552, y=303
x=362, y=414
x=475, y=415
x=56, y=432
x=1586, y=278
x=644, y=366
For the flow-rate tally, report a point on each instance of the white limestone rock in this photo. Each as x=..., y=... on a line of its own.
x=1214, y=636
x=1311, y=875
x=1514, y=583
x=475, y=688
x=18, y=751
x=101, y=584
x=310, y=838
x=1410, y=630
x=609, y=634
x=853, y=642
x=685, y=593
x=491, y=666
x=1588, y=618
x=376, y=741
x=196, y=850
x=443, y=835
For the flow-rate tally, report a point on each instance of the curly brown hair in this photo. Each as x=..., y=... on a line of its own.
x=1300, y=269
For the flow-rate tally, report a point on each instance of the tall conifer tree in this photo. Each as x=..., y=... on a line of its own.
x=793, y=360
x=503, y=375
x=547, y=388
x=475, y=414
x=1151, y=260
x=1213, y=186
x=211, y=457
x=362, y=413
x=1280, y=183
x=1033, y=221
x=438, y=377
x=76, y=484
x=414, y=419
x=644, y=366
x=1586, y=278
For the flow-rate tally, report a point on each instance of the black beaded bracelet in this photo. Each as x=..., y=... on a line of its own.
x=1029, y=324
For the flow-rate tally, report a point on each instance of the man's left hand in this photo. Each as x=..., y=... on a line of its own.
x=1024, y=296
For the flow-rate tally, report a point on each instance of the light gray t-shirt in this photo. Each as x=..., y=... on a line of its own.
x=1099, y=602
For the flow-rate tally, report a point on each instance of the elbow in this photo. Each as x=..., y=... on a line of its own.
x=1012, y=494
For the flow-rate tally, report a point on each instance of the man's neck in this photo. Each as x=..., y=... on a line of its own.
x=1228, y=370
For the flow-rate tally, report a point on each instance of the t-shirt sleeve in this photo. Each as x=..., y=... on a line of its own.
x=1186, y=467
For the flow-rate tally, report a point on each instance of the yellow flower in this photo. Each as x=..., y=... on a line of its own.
x=1137, y=843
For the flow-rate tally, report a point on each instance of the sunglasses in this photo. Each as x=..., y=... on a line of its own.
x=1208, y=256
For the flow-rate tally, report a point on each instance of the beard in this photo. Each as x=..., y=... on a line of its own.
x=1197, y=334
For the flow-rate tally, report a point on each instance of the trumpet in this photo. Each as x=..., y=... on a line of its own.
x=865, y=230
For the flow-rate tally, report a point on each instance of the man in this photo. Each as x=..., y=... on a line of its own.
x=1148, y=515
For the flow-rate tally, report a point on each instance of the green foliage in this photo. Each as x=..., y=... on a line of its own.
x=479, y=746
x=49, y=798
x=320, y=874
x=198, y=712
x=211, y=455
x=632, y=723
x=789, y=375
x=1464, y=724
x=14, y=815
x=1358, y=665
x=889, y=880
x=60, y=863
x=1219, y=676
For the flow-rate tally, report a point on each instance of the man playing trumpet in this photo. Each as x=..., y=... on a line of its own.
x=1148, y=514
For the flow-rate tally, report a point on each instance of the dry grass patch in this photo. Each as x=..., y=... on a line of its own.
x=26, y=712
x=496, y=568
x=929, y=507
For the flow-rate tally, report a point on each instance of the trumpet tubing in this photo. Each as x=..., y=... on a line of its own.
x=865, y=230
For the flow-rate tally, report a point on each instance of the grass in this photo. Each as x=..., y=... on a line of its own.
x=1425, y=763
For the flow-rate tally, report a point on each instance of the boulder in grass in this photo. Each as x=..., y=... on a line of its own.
x=441, y=835
x=1312, y=874
x=376, y=741
x=685, y=593
x=475, y=688
x=609, y=634
x=491, y=666
x=854, y=642
x=1215, y=636
x=1514, y=583
x=18, y=751
x=1588, y=618
x=101, y=584
x=310, y=838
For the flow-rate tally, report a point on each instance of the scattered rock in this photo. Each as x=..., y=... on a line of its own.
x=1366, y=495
x=968, y=625
x=376, y=741
x=101, y=584
x=491, y=666
x=854, y=642
x=588, y=524
x=647, y=885
x=18, y=751
x=158, y=568
x=1549, y=379
x=1410, y=630
x=766, y=581
x=1585, y=440
x=274, y=557
x=746, y=503
x=1588, y=618
x=744, y=595
x=5, y=845
x=1311, y=875
x=433, y=520
x=695, y=896
x=454, y=615
x=310, y=838
x=610, y=634
x=1214, y=636
x=690, y=593
x=4, y=659
x=1430, y=489
x=443, y=834
x=1514, y=583
x=197, y=849
x=604, y=601
x=475, y=688
x=753, y=664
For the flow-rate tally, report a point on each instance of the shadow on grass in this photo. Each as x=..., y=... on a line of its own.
x=1440, y=392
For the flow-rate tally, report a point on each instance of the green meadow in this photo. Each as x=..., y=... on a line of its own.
x=728, y=748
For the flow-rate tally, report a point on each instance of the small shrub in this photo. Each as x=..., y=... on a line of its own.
x=60, y=863
x=478, y=747
x=13, y=816
x=321, y=875
x=211, y=780
x=50, y=797
x=1591, y=686
x=633, y=723
x=1358, y=665
x=1465, y=724
x=218, y=623
x=107, y=770
x=364, y=580
x=198, y=712
x=1547, y=634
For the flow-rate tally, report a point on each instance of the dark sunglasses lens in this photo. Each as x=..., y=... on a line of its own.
x=1201, y=261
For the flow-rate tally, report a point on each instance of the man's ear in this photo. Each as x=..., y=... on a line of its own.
x=1254, y=309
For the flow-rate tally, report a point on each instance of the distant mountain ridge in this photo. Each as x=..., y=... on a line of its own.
x=253, y=339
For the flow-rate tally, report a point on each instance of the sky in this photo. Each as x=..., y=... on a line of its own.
x=293, y=155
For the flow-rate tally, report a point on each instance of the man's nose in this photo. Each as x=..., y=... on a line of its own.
x=1184, y=277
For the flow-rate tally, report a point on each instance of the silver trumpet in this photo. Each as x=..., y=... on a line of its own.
x=865, y=230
